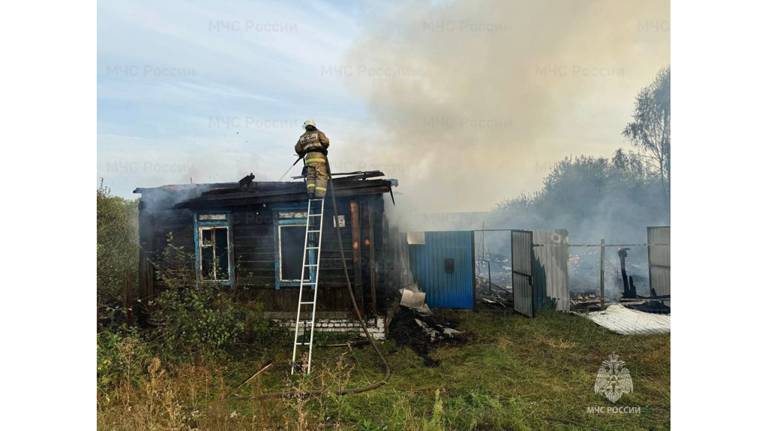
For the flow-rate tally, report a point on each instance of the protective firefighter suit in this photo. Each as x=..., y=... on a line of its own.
x=313, y=147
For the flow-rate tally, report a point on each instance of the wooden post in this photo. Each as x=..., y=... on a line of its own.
x=371, y=256
x=354, y=212
x=602, y=273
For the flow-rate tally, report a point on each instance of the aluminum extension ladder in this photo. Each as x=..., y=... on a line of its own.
x=313, y=239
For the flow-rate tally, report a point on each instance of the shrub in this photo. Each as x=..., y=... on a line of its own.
x=194, y=319
x=121, y=355
x=117, y=254
x=260, y=331
x=197, y=321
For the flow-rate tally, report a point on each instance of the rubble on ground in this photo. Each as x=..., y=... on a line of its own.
x=493, y=295
x=585, y=302
x=649, y=306
x=422, y=332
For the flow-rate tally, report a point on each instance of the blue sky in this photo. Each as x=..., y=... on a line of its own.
x=213, y=90
x=467, y=103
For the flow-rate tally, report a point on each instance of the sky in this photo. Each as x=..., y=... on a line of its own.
x=466, y=103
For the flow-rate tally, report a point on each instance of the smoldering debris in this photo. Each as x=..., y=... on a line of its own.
x=423, y=332
x=625, y=270
x=491, y=295
x=650, y=306
x=585, y=302
x=496, y=266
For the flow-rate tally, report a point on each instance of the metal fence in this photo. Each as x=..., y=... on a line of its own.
x=659, y=260
x=560, y=271
x=550, y=269
x=522, y=273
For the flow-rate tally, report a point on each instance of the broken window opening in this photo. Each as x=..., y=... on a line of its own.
x=214, y=253
x=291, y=239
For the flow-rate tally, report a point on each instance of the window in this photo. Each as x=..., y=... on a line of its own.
x=290, y=228
x=214, y=253
x=213, y=248
x=291, y=239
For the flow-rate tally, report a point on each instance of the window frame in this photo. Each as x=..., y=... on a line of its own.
x=280, y=227
x=295, y=215
x=213, y=220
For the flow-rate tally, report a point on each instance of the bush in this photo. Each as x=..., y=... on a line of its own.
x=117, y=254
x=261, y=331
x=121, y=355
x=202, y=320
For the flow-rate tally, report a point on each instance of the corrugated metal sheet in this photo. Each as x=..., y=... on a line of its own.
x=522, y=272
x=444, y=268
x=523, y=292
x=550, y=271
x=625, y=321
x=659, y=259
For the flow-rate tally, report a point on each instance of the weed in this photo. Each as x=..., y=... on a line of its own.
x=514, y=374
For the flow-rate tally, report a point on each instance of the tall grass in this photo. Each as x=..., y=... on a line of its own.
x=514, y=374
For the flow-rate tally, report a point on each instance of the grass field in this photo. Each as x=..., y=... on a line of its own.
x=513, y=373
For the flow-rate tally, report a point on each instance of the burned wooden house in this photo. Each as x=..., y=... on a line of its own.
x=249, y=237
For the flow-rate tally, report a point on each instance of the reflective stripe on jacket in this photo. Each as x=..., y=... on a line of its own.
x=312, y=141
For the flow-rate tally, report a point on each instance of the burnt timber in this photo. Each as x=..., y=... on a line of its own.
x=254, y=214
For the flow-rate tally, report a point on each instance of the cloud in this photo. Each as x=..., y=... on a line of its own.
x=219, y=87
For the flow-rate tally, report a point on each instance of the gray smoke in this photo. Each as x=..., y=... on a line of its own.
x=474, y=101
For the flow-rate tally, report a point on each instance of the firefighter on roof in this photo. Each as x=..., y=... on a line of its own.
x=313, y=147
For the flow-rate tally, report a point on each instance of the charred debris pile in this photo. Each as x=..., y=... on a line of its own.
x=422, y=331
x=493, y=296
x=622, y=282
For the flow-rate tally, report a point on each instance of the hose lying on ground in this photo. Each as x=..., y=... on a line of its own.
x=387, y=370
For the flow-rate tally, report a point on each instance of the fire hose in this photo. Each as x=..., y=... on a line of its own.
x=387, y=370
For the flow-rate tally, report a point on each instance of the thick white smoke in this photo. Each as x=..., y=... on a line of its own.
x=472, y=102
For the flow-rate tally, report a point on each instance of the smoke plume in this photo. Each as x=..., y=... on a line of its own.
x=472, y=102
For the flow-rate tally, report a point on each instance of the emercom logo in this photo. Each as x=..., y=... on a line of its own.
x=613, y=380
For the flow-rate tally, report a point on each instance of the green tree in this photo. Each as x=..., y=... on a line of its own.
x=650, y=126
x=592, y=197
x=117, y=254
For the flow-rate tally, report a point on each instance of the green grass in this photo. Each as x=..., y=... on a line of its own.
x=514, y=373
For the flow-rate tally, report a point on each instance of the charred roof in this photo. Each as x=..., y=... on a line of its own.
x=244, y=193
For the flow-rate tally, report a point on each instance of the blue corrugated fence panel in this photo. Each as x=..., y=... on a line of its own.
x=444, y=268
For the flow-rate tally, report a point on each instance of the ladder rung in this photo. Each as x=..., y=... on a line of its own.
x=313, y=210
